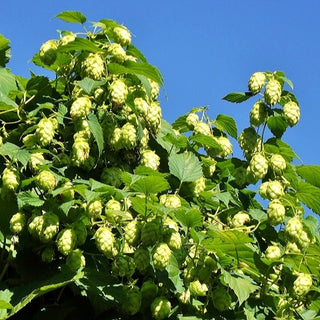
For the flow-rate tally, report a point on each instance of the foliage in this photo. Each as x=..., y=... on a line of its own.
x=108, y=211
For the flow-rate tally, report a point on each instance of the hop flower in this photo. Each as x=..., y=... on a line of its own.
x=94, y=208
x=276, y=212
x=240, y=219
x=174, y=240
x=122, y=35
x=291, y=247
x=141, y=105
x=36, y=159
x=277, y=163
x=256, y=82
x=46, y=180
x=149, y=290
x=141, y=259
x=192, y=119
x=220, y=298
x=274, y=190
x=45, y=131
x=150, y=159
x=117, y=52
x=144, y=140
x=161, y=256
x=273, y=252
x=225, y=145
x=48, y=52
x=258, y=167
x=132, y=300
x=17, y=222
x=129, y=136
x=302, y=284
x=118, y=92
x=198, y=289
x=81, y=107
x=208, y=166
x=153, y=117
x=30, y=140
x=292, y=113
x=66, y=241
x=294, y=228
x=93, y=67
x=105, y=241
x=170, y=201
x=155, y=89
x=75, y=260
x=67, y=39
x=272, y=92
x=123, y=266
x=202, y=127
x=80, y=151
x=199, y=186
x=50, y=227
x=160, y=308
x=250, y=142
x=116, y=139
x=132, y=232
x=10, y=179
x=150, y=233
x=258, y=113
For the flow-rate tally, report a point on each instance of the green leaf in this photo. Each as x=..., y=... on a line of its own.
x=96, y=131
x=5, y=304
x=180, y=124
x=174, y=274
x=274, y=145
x=185, y=166
x=150, y=184
x=72, y=16
x=167, y=138
x=88, y=84
x=238, y=97
x=309, y=195
x=258, y=214
x=189, y=218
x=4, y=51
x=310, y=173
x=7, y=82
x=312, y=224
x=80, y=44
x=207, y=141
x=133, y=51
x=15, y=153
x=242, y=286
x=277, y=125
x=137, y=68
x=29, y=198
x=227, y=124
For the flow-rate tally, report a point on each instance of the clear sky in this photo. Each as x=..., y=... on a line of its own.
x=204, y=49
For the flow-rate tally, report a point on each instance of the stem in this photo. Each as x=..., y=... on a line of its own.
x=4, y=270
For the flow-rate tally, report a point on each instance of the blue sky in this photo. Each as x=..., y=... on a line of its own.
x=204, y=50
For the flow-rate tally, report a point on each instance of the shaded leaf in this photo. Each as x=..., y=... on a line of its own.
x=4, y=51
x=174, y=274
x=277, y=125
x=88, y=84
x=7, y=82
x=189, y=218
x=207, y=141
x=312, y=224
x=274, y=145
x=72, y=16
x=29, y=198
x=15, y=153
x=96, y=131
x=80, y=44
x=238, y=97
x=227, y=124
x=310, y=173
x=185, y=166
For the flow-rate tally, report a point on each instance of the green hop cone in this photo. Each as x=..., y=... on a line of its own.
x=258, y=167
x=198, y=289
x=50, y=227
x=170, y=201
x=75, y=260
x=123, y=266
x=141, y=259
x=173, y=239
x=67, y=39
x=118, y=92
x=149, y=290
x=240, y=219
x=161, y=256
x=46, y=180
x=292, y=248
x=220, y=298
x=132, y=301
x=17, y=222
x=153, y=117
x=45, y=131
x=80, y=231
x=129, y=136
x=258, y=113
x=208, y=166
x=292, y=113
x=35, y=225
x=80, y=108
x=294, y=228
x=226, y=146
x=273, y=252
x=199, y=186
x=150, y=233
x=192, y=119
x=256, y=82
x=160, y=308
x=202, y=127
x=105, y=241
x=150, y=159
x=112, y=176
x=250, y=142
x=48, y=52
x=276, y=212
x=302, y=284
x=141, y=105
x=36, y=160
x=93, y=67
x=94, y=208
x=66, y=241
x=132, y=232
x=116, y=139
x=272, y=92
x=80, y=151
x=155, y=89
x=274, y=190
x=116, y=52
x=30, y=140
x=122, y=36
x=47, y=254
x=277, y=163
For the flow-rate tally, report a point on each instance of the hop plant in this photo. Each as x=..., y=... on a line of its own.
x=149, y=290
x=174, y=240
x=199, y=186
x=46, y=180
x=118, y=92
x=105, y=241
x=240, y=219
x=292, y=113
x=94, y=208
x=161, y=256
x=36, y=160
x=48, y=52
x=250, y=142
x=132, y=300
x=112, y=176
x=257, y=82
x=302, y=284
x=294, y=228
x=141, y=105
x=129, y=136
x=81, y=107
x=50, y=227
x=170, y=201
x=155, y=89
x=150, y=233
x=10, y=179
x=277, y=163
x=273, y=252
x=192, y=119
x=150, y=159
x=67, y=39
x=153, y=117
x=123, y=266
x=116, y=139
x=132, y=232
x=66, y=241
x=272, y=92
x=93, y=67
x=47, y=254
x=276, y=212
x=226, y=146
x=45, y=131
x=80, y=151
x=160, y=308
x=202, y=127
x=117, y=53
x=141, y=259
x=198, y=289
x=122, y=35
x=75, y=260
x=220, y=298
x=258, y=113
x=81, y=232
x=274, y=190
x=17, y=222
x=258, y=167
